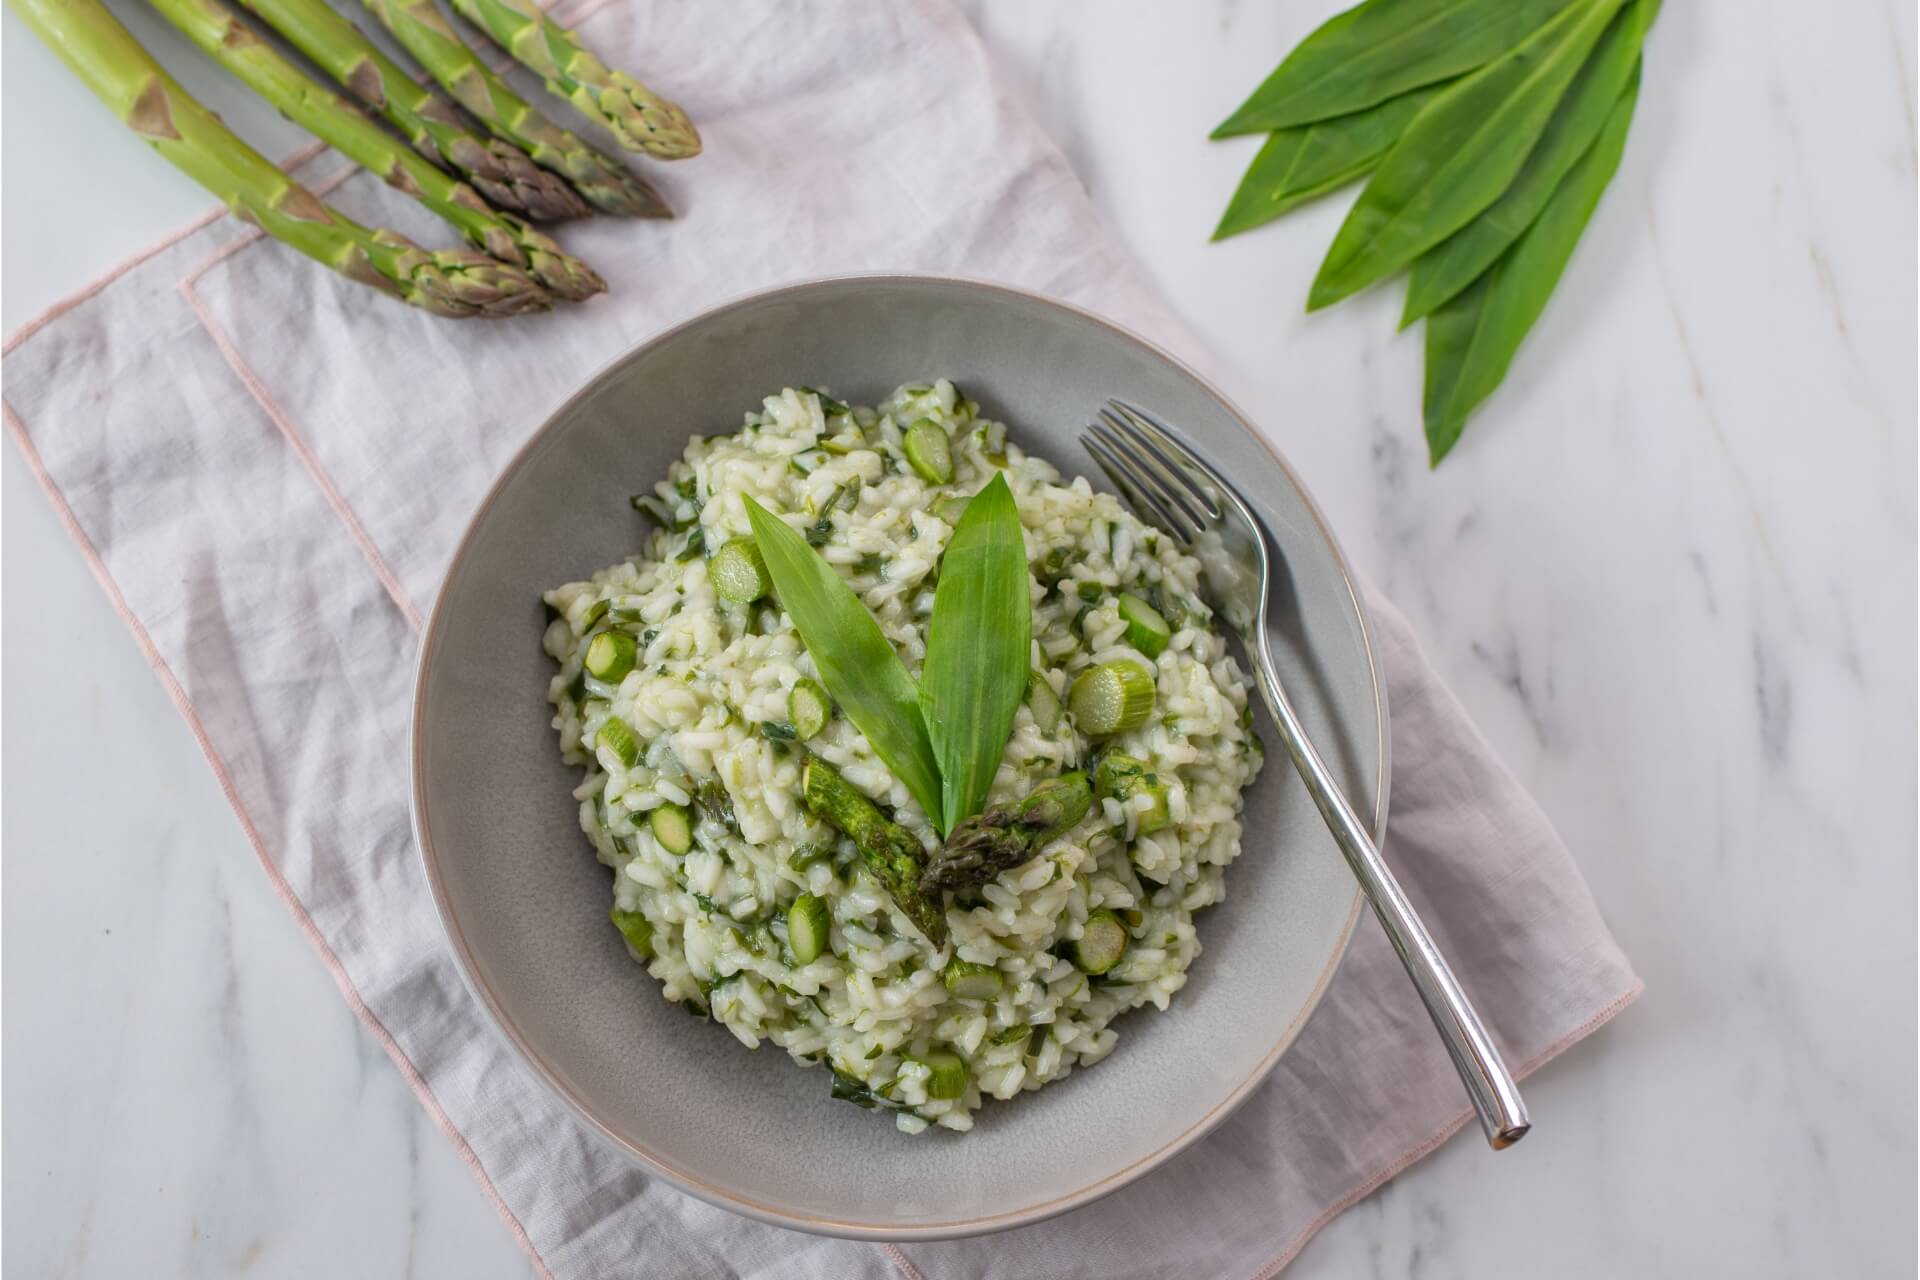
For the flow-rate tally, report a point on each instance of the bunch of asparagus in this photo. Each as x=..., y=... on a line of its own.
x=490, y=189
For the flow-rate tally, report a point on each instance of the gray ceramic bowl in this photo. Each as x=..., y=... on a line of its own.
x=524, y=902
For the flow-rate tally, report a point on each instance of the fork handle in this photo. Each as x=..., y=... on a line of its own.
x=1503, y=1115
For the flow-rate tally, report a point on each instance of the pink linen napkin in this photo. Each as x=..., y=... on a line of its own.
x=267, y=468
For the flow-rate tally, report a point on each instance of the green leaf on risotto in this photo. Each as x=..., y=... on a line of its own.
x=855, y=660
x=977, y=641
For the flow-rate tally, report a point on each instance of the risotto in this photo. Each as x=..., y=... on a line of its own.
x=694, y=715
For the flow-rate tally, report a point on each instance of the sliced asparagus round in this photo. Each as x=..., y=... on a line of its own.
x=503, y=173
x=1147, y=629
x=672, y=826
x=947, y=1074
x=611, y=655
x=1111, y=698
x=640, y=118
x=808, y=925
x=449, y=282
x=1102, y=941
x=614, y=736
x=972, y=981
x=739, y=572
x=929, y=452
x=808, y=708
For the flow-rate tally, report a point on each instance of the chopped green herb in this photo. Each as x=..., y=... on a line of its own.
x=654, y=507
x=806, y=855
x=636, y=929
x=828, y=405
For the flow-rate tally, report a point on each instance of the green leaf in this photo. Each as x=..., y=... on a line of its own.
x=1309, y=160
x=1457, y=261
x=1458, y=155
x=1471, y=340
x=1382, y=49
x=856, y=662
x=977, y=646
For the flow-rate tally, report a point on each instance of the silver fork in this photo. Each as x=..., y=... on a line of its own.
x=1172, y=487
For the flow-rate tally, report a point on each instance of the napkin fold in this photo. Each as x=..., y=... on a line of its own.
x=267, y=467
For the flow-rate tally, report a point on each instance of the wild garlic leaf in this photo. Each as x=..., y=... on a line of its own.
x=1459, y=155
x=1381, y=49
x=1471, y=339
x=855, y=660
x=1309, y=160
x=1457, y=261
x=978, y=640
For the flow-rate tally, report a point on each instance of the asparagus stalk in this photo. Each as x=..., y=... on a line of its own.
x=221, y=33
x=502, y=172
x=988, y=843
x=890, y=850
x=640, y=118
x=420, y=29
x=106, y=57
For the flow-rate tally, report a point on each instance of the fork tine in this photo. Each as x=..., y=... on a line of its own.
x=1122, y=448
x=1122, y=454
x=1129, y=493
x=1171, y=451
x=1177, y=490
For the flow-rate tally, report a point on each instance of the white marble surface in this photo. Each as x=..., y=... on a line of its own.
x=1671, y=569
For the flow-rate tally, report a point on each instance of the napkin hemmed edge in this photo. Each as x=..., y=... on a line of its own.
x=176, y=694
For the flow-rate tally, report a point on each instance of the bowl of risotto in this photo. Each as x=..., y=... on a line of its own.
x=844, y=803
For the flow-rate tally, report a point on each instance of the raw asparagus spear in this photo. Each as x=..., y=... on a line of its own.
x=640, y=118
x=501, y=171
x=420, y=29
x=988, y=843
x=890, y=850
x=221, y=33
x=454, y=282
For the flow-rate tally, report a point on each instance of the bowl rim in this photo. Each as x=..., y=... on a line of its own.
x=530, y=1056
